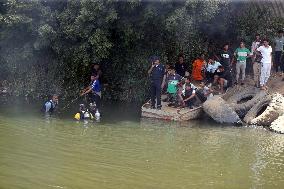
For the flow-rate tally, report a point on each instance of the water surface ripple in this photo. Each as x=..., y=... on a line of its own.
x=60, y=153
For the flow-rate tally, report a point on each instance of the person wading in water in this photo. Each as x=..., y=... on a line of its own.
x=51, y=104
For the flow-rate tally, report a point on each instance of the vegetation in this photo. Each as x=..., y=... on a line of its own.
x=49, y=46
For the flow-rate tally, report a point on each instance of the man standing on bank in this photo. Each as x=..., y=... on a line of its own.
x=279, y=42
x=241, y=53
x=156, y=73
x=266, y=62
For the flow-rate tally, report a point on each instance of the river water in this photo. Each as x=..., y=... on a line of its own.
x=123, y=151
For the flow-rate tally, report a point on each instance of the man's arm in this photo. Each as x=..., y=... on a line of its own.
x=164, y=81
x=88, y=89
x=233, y=58
x=151, y=69
x=191, y=96
x=271, y=59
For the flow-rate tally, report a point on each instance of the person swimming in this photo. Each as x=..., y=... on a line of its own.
x=87, y=114
x=83, y=113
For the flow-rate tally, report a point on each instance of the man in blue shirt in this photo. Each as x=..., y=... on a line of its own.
x=94, y=89
x=156, y=72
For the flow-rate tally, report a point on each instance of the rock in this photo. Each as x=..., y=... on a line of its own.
x=217, y=108
x=278, y=125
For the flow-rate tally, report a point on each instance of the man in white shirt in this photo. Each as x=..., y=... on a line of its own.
x=266, y=63
x=211, y=68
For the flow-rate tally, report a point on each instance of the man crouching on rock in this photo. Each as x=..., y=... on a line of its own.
x=156, y=72
x=188, y=96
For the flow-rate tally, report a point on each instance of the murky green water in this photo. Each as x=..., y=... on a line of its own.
x=37, y=153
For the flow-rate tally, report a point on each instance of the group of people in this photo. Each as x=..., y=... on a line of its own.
x=174, y=81
x=223, y=70
x=94, y=97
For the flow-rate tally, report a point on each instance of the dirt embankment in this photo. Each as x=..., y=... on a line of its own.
x=275, y=84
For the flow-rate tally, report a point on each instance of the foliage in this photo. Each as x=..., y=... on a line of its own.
x=49, y=46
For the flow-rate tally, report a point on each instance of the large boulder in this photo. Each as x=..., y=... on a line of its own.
x=278, y=125
x=217, y=108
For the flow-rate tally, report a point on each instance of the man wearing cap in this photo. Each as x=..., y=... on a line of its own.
x=156, y=72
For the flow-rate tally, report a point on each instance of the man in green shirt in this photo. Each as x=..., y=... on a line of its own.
x=172, y=80
x=241, y=53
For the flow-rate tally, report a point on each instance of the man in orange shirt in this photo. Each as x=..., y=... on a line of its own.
x=198, y=67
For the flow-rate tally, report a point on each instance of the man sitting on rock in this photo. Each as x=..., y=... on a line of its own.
x=204, y=92
x=189, y=96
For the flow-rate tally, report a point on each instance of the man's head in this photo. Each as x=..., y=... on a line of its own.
x=82, y=107
x=202, y=56
x=211, y=60
x=155, y=60
x=188, y=86
x=257, y=37
x=187, y=79
x=167, y=66
x=92, y=106
x=171, y=70
x=280, y=33
x=93, y=77
x=96, y=66
x=242, y=44
x=266, y=42
x=181, y=59
x=202, y=84
x=226, y=46
x=55, y=98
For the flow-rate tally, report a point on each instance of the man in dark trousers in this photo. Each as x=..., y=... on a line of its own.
x=226, y=61
x=156, y=72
